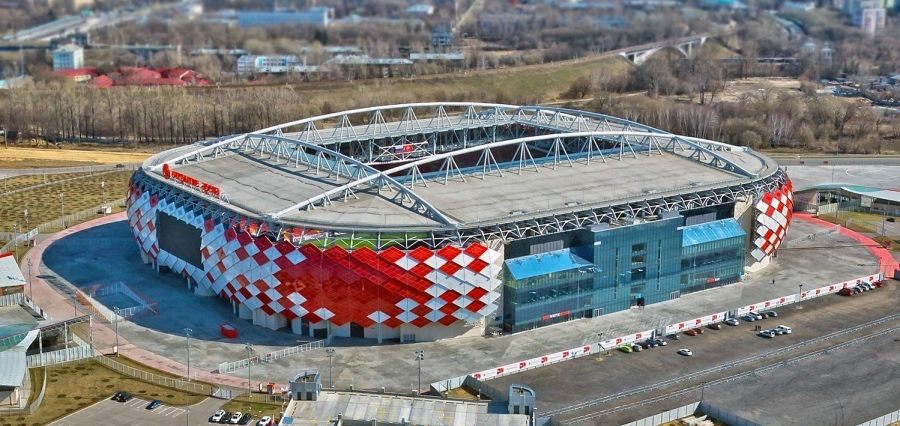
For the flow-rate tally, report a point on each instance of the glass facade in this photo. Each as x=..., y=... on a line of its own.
x=611, y=268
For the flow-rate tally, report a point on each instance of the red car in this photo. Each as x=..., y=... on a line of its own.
x=846, y=291
x=694, y=332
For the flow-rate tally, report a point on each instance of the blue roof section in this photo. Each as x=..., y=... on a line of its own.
x=545, y=263
x=711, y=231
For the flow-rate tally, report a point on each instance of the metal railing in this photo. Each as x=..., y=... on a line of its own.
x=54, y=182
x=157, y=379
x=227, y=367
x=68, y=220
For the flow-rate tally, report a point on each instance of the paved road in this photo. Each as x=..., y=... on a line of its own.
x=134, y=413
x=596, y=377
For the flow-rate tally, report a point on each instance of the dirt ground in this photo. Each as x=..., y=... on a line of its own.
x=734, y=89
x=15, y=157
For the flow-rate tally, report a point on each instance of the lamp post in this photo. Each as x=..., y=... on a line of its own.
x=30, y=281
x=103, y=192
x=25, y=216
x=249, y=390
x=116, y=318
x=62, y=208
x=16, y=239
x=187, y=334
x=801, y=292
x=330, y=352
x=420, y=355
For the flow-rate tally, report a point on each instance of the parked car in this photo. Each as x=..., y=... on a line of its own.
x=771, y=314
x=715, y=326
x=767, y=334
x=245, y=419
x=694, y=332
x=732, y=321
x=226, y=418
x=857, y=290
x=777, y=331
x=661, y=342
x=122, y=396
x=673, y=336
x=749, y=318
x=636, y=347
x=758, y=315
x=846, y=291
x=236, y=417
x=784, y=328
x=153, y=404
x=265, y=421
x=218, y=416
x=625, y=348
x=685, y=352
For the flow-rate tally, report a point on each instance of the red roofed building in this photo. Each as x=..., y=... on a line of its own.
x=101, y=82
x=78, y=74
x=137, y=76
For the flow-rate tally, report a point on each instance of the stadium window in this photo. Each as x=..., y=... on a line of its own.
x=638, y=274
x=638, y=247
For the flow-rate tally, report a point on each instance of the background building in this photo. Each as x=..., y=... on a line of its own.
x=68, y=57
x=425, y=221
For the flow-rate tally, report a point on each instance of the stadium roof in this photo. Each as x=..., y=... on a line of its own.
x=447, y=167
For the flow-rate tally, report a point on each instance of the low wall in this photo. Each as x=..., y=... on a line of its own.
x=885, y=420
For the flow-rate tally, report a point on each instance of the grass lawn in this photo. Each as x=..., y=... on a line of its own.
x=867, y=223
x=43, y=203
x=257, y=406
x=73, y=386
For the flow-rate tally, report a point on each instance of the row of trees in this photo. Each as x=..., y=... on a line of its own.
x=768, y=119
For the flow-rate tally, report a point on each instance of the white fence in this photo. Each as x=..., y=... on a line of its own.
x=76, y=169
x=145, y=376
x=668, y=416
x=59, y=356
x=227, y=367
x=144, y=303
x=726, y=417
x=80, y=216
x=885, y=420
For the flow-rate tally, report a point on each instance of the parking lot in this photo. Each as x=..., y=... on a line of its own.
x=133, y=412
x=612, y=372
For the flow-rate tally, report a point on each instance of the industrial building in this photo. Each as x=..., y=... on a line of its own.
x=432, y=220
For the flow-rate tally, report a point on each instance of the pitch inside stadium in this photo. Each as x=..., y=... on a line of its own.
x=425, y=221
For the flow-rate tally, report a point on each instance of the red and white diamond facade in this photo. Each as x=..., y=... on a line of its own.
x=773, y=217
x=392, y=287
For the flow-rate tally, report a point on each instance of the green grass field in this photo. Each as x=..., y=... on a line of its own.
x=73, y=386
x=44, y=204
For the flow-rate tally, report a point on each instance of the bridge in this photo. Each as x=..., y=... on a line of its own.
x=640, y=53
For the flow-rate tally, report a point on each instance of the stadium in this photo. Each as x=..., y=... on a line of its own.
x=424, y=221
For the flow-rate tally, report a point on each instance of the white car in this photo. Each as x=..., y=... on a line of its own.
x=732, y=321
x=768, y=334
x=236, y=417
x=784, y=329
x=217, y=417
x=265, y=421
x=685, y=352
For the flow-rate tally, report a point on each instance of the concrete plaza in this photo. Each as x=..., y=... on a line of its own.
x=106, y=253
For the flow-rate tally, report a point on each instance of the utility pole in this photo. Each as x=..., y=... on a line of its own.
x=103, y=192
x=187, y=334
x=330, y=352
x=420, y=355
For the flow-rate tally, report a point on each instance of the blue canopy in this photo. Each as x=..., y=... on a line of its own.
x=711, y=231
x=545, y=263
